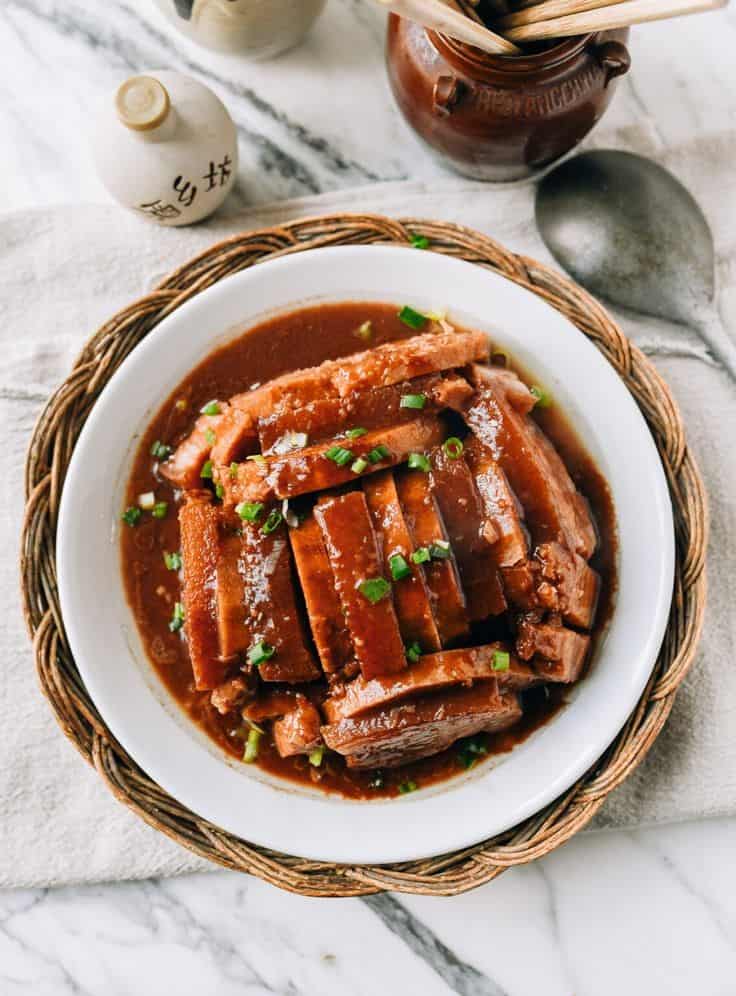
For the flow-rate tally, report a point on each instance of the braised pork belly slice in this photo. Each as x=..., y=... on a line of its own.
x=430, y=673
x=411, y=595
x=407, y=359
x=311, y=469
x=184, y=466
x=299, y=730
x=199, y=522
x=556, y=580
x=270, y=597
x=233, y=625
x=517, y=393
x=503, y=516
x=295, y=720
x=554, y=510
x=567, y=584
x=235, y=437
x=426, y=529
x=232, y=694
x=407, y=732
x=556, y=653
x=460, y=506
x=324, y=611
x=328, y=418
x=368, y=607
x=390, y=363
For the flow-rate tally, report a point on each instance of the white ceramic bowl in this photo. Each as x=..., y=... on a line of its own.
x=244, y=800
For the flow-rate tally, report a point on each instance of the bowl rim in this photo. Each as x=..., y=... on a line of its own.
x=330, y=829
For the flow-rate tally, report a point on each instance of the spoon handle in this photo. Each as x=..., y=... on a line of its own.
x=711, y=330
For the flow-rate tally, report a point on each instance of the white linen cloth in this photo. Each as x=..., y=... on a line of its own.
x=63, y=271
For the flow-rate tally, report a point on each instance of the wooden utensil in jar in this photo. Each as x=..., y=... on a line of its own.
x=437, y=16
x=616, y=15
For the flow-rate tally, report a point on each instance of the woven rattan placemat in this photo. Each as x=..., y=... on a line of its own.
x=50, y=451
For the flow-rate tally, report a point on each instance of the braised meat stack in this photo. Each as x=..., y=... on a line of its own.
x=348, y=530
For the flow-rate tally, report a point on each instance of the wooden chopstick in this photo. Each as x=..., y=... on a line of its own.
x=617, y=15
x=436, y=15
x=548, y=9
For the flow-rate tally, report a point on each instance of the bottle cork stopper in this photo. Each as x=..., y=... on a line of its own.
x=142, y=103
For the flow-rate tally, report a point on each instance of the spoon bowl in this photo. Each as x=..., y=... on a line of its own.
x=629, y=232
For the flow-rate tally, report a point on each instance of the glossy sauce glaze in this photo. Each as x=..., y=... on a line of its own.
x=301, y=339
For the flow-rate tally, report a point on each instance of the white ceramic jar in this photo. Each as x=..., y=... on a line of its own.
x=254, y=28
x=166, y=146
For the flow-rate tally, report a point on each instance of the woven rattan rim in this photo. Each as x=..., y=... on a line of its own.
x=50, y=451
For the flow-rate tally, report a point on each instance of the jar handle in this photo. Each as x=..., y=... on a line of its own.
x=446, y=94
x=614, y=59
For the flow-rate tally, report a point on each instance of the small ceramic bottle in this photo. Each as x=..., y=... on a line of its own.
x=256, y=29
x=166, y=146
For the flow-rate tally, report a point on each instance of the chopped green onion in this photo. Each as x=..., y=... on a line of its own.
x=421, y=555
x=211, y=408
x=543, y=398
x=160, y=450
x=406, y=787
x=251, y=745
x=470, y=750
x=453, y=447
x=132, y=515
x=344, y=457
x=417, y=401
x=147, y=500
x=260, y=652
x=339, y=455
x=315, y=756
x=413, y=652
x=359, y=466
x=272, y=523
x=501, y=660
x=172, y=561
x=257, y=458
x=414, y=319
x=419, y=241
x=210, y=436
x=219, y=491
x=160, y=509
x=374, y=589
x=379, y=453
x=364, y=331
x=399, y=567
x=440, y=550
x=206, y=471
x=251, y=511
x=356, y=433
x=252, y=725
x=418, y=461
x=177, y=619
x=233, y=471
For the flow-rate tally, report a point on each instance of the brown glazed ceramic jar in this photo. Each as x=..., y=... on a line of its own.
x=498, y=117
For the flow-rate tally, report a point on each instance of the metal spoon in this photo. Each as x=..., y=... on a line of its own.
x=628, y=231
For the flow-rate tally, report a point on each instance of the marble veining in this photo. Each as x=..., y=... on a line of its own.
x=647, y=912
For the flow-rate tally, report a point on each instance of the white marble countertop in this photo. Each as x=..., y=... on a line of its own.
x=652, y=911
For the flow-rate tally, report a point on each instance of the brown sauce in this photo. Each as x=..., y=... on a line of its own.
x=301, y=339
